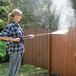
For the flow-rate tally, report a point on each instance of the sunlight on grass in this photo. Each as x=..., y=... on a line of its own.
x=24, y=70
x=38, y=68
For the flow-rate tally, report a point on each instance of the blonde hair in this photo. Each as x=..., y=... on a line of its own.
x=13, y=13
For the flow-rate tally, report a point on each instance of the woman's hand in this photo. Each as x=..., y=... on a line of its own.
x=31, y=36
x=17, y=40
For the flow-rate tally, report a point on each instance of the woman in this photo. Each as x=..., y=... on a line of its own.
x=13, y=35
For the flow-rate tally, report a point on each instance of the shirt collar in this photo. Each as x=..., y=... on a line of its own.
x=15, y=23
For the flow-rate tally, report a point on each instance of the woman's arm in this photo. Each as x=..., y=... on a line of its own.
x=10, y=39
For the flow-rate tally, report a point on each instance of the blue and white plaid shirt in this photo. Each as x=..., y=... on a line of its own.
x=13, y=30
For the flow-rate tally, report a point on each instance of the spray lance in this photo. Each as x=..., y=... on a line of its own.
x=35, y=35
x=27, y=36
x=56, y=32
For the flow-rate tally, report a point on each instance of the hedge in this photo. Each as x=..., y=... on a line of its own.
x=4, y=58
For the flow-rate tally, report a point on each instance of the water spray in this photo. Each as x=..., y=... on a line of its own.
x=66, y=13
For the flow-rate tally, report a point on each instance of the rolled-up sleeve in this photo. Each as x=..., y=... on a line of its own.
x=6, y=31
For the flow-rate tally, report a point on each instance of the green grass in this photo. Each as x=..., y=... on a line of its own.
x=24, y=70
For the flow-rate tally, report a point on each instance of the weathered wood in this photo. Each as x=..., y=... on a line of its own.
x=55, y=52
x=36, y=50
x=63, y=59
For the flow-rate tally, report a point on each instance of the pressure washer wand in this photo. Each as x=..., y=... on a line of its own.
x=60, y=32
x=36, y=35
x=26, y=36
x=42, y=34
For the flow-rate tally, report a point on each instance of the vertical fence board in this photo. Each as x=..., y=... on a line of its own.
x=73, y=52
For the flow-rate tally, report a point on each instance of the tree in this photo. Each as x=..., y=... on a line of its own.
x=4, y=10
x=36, y=13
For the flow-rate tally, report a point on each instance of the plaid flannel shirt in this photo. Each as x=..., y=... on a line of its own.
x=13, y=30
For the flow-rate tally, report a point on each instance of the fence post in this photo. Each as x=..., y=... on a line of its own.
x=49, y=52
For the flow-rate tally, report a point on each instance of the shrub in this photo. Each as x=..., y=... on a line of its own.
x=0, y=58
x=5, y=58
x=1, y=22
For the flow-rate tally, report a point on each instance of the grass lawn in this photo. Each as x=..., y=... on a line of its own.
x=24, y=70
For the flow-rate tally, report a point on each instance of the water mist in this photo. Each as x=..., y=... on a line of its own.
x=64, y=10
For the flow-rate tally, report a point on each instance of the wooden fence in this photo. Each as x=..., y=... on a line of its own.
x=36, y=50
x=63, y=53
x=55, y=52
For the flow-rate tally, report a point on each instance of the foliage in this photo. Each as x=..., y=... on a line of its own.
x=3, y=16
x=4, y=10
x=0, y=58
x=53, y=21
x=4, y=58
x=1, y=22
x=24, y=70
x=2, y=47
x=36, y=13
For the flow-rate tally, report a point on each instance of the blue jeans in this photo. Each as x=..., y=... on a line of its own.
x=14, y=64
